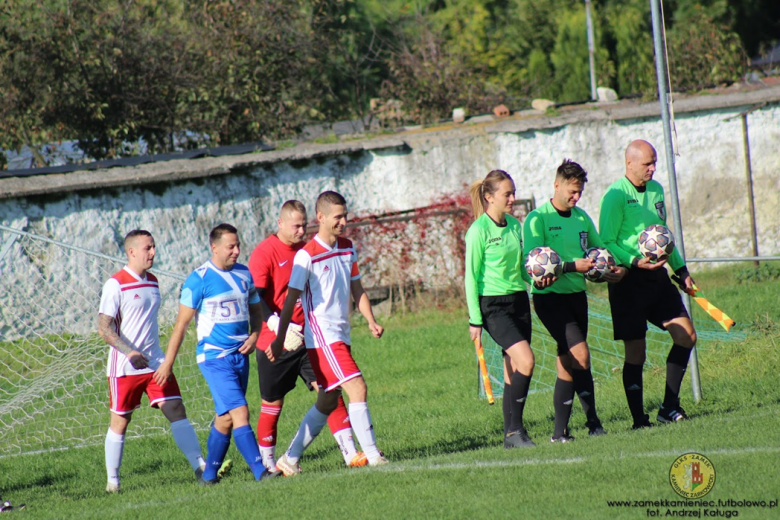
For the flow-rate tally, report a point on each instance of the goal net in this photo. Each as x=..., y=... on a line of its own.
x=53, y=386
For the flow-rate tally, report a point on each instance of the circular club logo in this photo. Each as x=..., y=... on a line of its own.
x=692, y=475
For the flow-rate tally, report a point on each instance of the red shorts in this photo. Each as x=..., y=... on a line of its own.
x=125, y=392
x=333, y=365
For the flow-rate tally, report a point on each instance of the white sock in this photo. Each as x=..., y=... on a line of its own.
x=346, y=444
x=269, y=456
x=311, y=426
x=360, y=418
x=115, y=443
x=187, y=441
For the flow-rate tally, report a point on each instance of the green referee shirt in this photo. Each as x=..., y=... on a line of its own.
x=494, y=262
x=625, y=212
x=569, y=233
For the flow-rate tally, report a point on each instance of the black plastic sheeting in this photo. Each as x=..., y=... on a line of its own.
x=218, y=151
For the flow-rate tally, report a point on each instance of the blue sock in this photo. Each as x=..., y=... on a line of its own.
x=246, y=442
x=217, y=445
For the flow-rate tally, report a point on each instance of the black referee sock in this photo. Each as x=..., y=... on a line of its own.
x=507, y=407
x=632, y=384
x=563, y=396
x=676, y=365
x=583, y=385
x=518, y=391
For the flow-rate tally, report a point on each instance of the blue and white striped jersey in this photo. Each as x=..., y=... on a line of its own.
x=222, y=300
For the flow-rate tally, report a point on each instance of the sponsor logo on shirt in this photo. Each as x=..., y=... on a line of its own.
x=554, y=228
x=281, y=264
x=136, y=297
x=326, y=269
x=494, y=240
x=632, y=201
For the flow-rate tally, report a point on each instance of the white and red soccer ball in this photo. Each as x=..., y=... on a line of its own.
x=603, y=262
x=656, y=242
x=543, y=262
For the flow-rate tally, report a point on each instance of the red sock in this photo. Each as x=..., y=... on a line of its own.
x=339, y=418
x=266, y=425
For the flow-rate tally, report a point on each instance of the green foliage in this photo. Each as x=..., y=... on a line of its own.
x=703, y=52
x=261, y=67
x=540, y=75
x=765, y=272
x=176, y=73
x=430, y=78
x=631, y=28
x=571, y=59
x=353, y=48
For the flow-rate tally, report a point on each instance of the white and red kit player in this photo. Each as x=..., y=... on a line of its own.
x=127, y=321
x=324, y=275
x=271, y=264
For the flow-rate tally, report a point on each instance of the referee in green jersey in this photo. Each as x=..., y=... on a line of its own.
x=496, y=293
x=563, y=306
x=646, y=294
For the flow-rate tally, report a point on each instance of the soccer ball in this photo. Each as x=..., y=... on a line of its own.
x=603, y=262
x=656, y=242
x=543, y=263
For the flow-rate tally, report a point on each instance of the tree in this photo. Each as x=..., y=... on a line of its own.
x=570, y=57
x=703, y=53
x=430, y=78
x=631, y=28
x=353, y=50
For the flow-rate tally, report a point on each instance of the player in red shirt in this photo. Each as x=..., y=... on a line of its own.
x=127, y=321
x=271, y=265
x=324, y=276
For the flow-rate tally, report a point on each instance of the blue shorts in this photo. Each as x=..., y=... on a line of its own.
x=227, y=378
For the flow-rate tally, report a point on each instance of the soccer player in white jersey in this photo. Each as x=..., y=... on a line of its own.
x=271, y=264
x=221, y=293
x=127, y=321
x=324, y=274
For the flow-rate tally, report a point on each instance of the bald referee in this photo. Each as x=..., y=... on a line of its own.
x=645, y=294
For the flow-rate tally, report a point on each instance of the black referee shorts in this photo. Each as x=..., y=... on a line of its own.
x=565, y=316
x=643, y=296
x=507, y=318
x=277, y=379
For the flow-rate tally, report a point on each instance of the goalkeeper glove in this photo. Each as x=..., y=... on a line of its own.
x=294, y=337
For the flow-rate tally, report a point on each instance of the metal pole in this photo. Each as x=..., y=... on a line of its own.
x=660, y=69
x=749, y=175
x=591, y=52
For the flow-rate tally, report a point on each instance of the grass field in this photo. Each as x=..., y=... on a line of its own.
x=445, y=443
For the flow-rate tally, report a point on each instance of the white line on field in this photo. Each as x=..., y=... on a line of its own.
x=436, y=466
x=402, y=467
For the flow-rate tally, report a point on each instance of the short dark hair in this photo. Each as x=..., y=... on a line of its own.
x=222, y=229
x=135, y=233
x=571, y=171
x=293, y=205
x=329, y=198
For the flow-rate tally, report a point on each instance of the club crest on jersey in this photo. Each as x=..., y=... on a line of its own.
x=661, y=210
x=584, y=240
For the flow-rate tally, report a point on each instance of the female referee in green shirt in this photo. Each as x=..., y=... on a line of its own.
x=496, y=294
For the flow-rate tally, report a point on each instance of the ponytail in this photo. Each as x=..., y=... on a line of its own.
x=477, y=200
x=479, y=189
